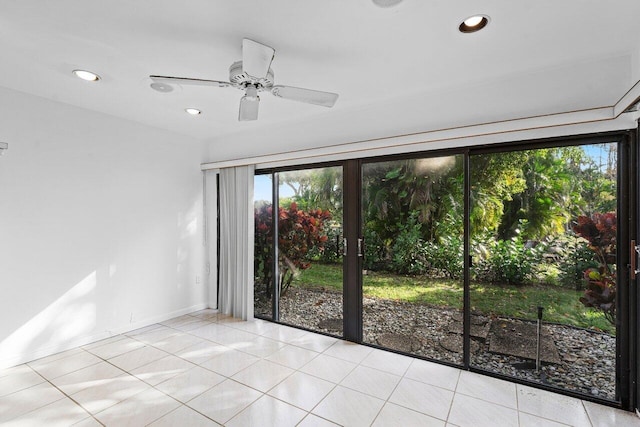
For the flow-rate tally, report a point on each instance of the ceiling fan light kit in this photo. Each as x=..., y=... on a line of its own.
x=253, y=74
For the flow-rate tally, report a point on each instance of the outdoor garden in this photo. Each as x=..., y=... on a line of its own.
x=542, y=234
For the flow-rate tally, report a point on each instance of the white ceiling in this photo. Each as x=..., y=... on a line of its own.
x=397, y=70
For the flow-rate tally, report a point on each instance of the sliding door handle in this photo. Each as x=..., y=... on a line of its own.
x=344, y=246
x=360, y=248
x=635, y=251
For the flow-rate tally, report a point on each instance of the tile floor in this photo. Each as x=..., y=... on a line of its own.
x=206, y=369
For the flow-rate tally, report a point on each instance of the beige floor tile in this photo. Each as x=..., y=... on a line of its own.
x=371, y=381
x=433, y=373
x=430, y=400
x=184, y=416
x=396, y=364
x=55, y=368
x=158, y=337
x=136, y=358
x=212, y=332
x=292, y=357
x=57, y=356
x=604, y=416
x=230, y=363
x=187, y=327
x=393, y=415
x=105, y=341
x=27, y=400
x=328, y=368
x=302, y=390
x=315, y=421
x=18, y=378
x=552, y=406
x=268, y=412
x=180, y=320
x=284, y=333
x=110, y=392
x=345, y=350
x=256, y=326
x=487, y=388
x=189, y=384
x=116, y=348
x=236, y=338
x=263, y=375
x=177, y=342
x=88, y=422
x=258, y=346
x=202, y=352
x=61, y=413
x=348, y=407
x=224, y=401
x=91, y=376
x=144, y=330
x=471, y=412
x=162, y=369
x=138, y=410
x=313, y=342
x=528, y=420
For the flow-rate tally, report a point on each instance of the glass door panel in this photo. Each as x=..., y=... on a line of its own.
x=412, y=223
x=543, y=278
x=310, y=249
x=263, y=246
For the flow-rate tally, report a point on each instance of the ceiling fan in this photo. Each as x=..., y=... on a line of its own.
x=252, y=75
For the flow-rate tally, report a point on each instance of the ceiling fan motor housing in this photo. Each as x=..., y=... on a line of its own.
x=241, y=79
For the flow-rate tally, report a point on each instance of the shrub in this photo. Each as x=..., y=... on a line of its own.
x=506, y=261
x=600, y=231
x=575, y=258
x=408, y=255
x=445, y=256
x=299, y=233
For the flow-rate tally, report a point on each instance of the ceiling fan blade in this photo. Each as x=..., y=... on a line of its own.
x=188, y=81
x=248, y=108
x=326, y=99
x=256, y=58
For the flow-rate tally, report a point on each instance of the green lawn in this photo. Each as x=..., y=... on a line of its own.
x=560, y=305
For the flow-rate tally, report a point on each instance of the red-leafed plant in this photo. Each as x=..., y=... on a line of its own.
x=298, y=233
x=600, y=231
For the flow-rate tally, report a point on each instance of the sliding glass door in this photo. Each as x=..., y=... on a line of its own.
x=412, y=283
x=511, y=261
x=304, y=287
x=544, y=272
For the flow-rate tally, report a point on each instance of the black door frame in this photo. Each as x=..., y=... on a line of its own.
x=628, y=333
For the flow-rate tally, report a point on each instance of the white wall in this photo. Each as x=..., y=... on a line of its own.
x=100, y=226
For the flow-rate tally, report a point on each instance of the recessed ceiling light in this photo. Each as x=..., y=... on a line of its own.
x=86, y=75
x=474, y=23
x=193, y=111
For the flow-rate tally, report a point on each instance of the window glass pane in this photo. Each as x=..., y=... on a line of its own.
x=263, y=243
x=413, y=262
x=543, y=242
x=309, y=242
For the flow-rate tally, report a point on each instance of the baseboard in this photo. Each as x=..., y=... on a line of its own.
x=7, y=361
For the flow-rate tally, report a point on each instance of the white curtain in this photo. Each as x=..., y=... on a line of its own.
x=236, y=242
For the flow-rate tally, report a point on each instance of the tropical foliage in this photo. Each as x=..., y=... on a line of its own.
x=299, y=233
x=600, y=231
x=535, y=216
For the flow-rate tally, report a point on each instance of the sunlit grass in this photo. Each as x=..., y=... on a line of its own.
x=560, y=305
